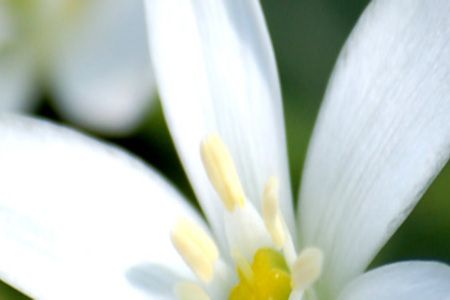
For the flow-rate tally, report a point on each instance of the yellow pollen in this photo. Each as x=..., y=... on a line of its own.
x=190, y=291
x=271, y=213
x=196, y=247
x=269, y=280
x=222, y=172
x=307, y=268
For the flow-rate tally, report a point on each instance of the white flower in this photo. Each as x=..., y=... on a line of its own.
x=91, y=55
x=79, y=219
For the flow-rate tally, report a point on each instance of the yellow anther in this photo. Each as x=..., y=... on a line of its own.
x=307, y=268
x=196, y=247
x=222, y=172
x=190, y=291
x=271, y=213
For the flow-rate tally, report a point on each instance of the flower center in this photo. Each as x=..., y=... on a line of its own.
x=259, y=242
x=267, y=278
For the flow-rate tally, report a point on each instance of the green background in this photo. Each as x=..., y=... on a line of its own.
x=307, y=36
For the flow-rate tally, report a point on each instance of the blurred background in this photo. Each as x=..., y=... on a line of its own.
x=307, y=36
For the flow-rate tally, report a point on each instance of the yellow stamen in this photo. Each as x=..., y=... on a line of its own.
x=271, y=213
x=196, y=247
x=307, y=268
x=190, y=291
x=222, y=172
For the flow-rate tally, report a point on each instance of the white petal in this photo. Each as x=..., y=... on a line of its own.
x=402, y=281
x=101, y=70
x=382, y=136
x=216, y=72
x=79, y=219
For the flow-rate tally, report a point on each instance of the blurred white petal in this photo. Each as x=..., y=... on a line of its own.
x=216, y=72
x=83, y=220
x=101, y=69
x=402, y=281
x=382, y=136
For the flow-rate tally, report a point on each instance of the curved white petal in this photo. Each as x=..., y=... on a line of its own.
x=216, y=73
x=401, y=281
x=82, y=220
x=382, y=136
x=101, y=69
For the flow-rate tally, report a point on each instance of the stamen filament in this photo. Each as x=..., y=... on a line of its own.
x=243, y=266
x=271, y=213
x=196, y=248
x=222, y=172
x=274, y=221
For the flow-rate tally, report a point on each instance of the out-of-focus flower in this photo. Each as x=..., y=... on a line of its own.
x=92, y=56
x=81, y=219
